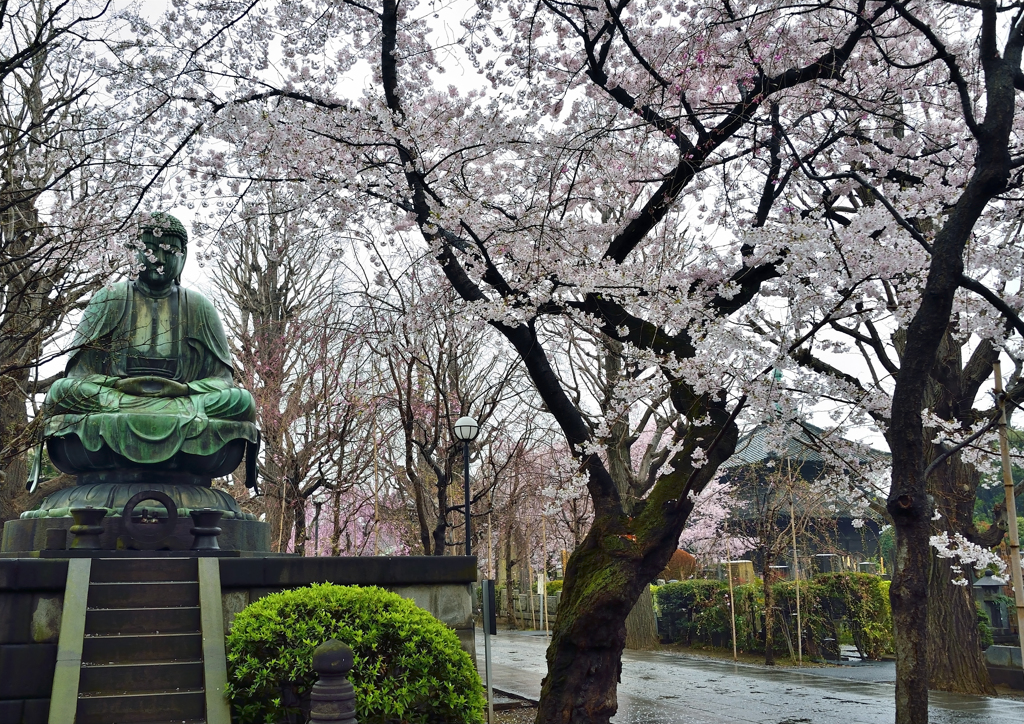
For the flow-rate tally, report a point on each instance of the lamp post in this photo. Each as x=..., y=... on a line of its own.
x=466, y=429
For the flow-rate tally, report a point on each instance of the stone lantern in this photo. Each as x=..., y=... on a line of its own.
x=987, y=591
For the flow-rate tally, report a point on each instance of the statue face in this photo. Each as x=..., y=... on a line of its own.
x=161, y=259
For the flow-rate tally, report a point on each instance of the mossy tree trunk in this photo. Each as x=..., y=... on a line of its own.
x=607, y=573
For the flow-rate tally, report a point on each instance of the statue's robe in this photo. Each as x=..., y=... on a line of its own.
x=125, y=333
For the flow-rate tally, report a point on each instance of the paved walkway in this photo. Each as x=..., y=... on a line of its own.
x=667, y=688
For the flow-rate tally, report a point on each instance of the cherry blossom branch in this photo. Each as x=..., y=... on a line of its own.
x=683, y=498
x=616, y=15
x=879, y=196
x=948, y=453
x=943, y=54
x=827, y=66
x=995, y=300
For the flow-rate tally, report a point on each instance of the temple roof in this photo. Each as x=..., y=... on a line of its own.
x=804, y=443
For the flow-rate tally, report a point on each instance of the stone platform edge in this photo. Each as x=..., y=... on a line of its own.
x=385, y=571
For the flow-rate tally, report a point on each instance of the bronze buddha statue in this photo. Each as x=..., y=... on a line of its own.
x=148, y=400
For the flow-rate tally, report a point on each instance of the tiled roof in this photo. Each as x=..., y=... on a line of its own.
x=803, y=444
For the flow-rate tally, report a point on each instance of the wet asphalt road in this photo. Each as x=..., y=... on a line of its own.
x=665, y=688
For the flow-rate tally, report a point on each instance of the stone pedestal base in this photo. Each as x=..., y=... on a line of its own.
x=114, y=496
x=30, y=534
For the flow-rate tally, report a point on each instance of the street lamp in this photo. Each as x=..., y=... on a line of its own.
x=466, y=429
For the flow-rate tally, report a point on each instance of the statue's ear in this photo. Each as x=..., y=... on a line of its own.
x=184, y=258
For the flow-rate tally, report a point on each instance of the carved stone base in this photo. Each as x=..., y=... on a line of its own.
x=35, y=534
x=114, y=496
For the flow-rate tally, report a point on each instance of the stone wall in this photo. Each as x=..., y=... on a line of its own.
x=1004, y=666
x=31, y=600
x=441, y=585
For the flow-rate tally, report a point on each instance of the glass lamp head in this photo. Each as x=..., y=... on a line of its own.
x=466, y=429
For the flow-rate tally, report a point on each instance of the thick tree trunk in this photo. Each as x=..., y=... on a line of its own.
x=336, y=522
x=276, y=499
x=908, y=596
x=585, y=656
x=641, y=624
x=440, y=532
x=14, y=442
x=605, y=576
x=299, y=506
x=955, y=659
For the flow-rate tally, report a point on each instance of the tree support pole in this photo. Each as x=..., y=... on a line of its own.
x=732, y=598
x=544, y=575
x=1011, y=509
x=796, y=582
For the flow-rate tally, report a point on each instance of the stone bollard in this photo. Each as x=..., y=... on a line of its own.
x=333, y=700
x=205, y=529
x=87, y=528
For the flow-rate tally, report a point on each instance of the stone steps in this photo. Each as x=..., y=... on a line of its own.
x=115, y=649
x=181, y=619
x=149, y=706
x=142, y=653
x=169, y=594
x=160, y=570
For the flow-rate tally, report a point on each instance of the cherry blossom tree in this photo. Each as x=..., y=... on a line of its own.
x=935, y=174
x=953, y=413
x=706, y=536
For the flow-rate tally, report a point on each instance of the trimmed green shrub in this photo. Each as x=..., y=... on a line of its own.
x=409, y=667
x=553, y=587
x=816, y=624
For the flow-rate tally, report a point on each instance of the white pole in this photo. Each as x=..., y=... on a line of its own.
x=544, y=572
x=796, y=580
x=1011, y=508
x=732, y=598
x=529, y=577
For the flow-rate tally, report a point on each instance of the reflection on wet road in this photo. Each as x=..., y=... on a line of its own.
x=664, y=688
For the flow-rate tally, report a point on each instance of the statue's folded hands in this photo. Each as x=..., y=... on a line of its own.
x=151, y=386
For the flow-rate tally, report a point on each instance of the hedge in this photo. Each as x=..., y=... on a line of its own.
x=409, y=667
x=835, y=607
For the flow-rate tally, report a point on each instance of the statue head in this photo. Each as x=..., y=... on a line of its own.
x=162, y=250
